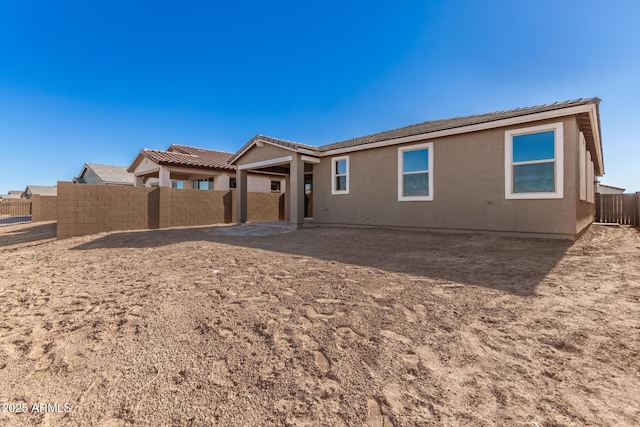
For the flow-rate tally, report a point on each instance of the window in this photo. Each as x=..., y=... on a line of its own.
x=340, y=175
x=203, y=184
x=232, y=182
x=415, y=172
x=177, y=184
x=534, y=162
x=583, y=167
x=275, y=186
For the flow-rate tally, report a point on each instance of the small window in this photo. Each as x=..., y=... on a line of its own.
x=415, y=172
x=177, y=184
x=232, y=182
x=340, y=175
x=533, y=162
x=203, y=184
x=275, y=186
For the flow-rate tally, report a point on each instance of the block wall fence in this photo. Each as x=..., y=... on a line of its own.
x=88, y=209
x=44, y=208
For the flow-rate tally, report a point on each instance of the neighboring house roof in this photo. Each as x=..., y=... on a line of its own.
x=108, y=174
x=182, y=155
x=611, y=187
x=590, y=126
x=41, y=190
x=14, y=194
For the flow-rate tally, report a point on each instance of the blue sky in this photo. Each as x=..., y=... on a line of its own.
x=98, y=81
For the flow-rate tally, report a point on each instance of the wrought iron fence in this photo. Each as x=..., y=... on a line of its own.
x=15, y=212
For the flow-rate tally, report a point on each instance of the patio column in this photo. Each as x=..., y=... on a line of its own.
x=241, y=199
x=296, y=197
x=139, y=182
x=165, y=177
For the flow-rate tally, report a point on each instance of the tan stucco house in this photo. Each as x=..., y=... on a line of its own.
x=181, y=166
x=527, y=171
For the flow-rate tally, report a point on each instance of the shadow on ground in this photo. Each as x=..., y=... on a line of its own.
x=514, y=265
x=27, y=233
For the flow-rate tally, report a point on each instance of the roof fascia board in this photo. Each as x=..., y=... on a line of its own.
x=270, y=162
x=593, y=117
x=310, y=159
x=466, y=129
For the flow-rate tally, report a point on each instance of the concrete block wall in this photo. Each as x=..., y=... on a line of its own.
x=183, y=208
x=91, y=208
x=88, y=209
x=44, y=208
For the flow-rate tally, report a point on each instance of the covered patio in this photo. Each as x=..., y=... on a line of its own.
x=274, y=156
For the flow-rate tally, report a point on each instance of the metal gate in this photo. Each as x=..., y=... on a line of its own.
x=15, y=212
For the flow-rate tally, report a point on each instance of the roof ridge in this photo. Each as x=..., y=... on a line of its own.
x=199, y=148
x=152, y=150
x=284, y=140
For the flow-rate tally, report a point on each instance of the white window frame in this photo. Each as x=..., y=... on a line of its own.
x=401, y=197
x=583, y=167
x=335, y=175
x=558, y=145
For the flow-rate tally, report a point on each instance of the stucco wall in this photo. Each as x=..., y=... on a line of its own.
x=266, y=152
x=469, y=189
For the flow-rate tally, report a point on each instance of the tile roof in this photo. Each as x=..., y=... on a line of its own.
x=182, y=155
x=112, y=174
x=456, y=122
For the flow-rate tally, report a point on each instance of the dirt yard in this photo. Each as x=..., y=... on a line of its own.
x=325, y=326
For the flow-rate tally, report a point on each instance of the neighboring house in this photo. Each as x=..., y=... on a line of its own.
x=608, y=189
x=13, y=194
x=527, y=171
x=40, y=190
x=94, y=173
x=186, y=167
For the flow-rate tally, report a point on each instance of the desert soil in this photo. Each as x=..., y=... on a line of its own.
x=243, y=326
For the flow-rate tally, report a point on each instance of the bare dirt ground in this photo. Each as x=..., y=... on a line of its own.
x=323, y=326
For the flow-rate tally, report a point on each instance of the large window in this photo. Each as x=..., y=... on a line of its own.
x=203, y=184
x=340, y=175
x=415, y=172
x=533, y=162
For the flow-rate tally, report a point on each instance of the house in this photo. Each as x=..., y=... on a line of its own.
x=528, y=171
x=40, y=190
x=94, y=173
x=181, y=166
x=13, y=194
x=608, y=189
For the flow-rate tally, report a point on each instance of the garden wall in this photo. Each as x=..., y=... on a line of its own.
x=88, y=209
